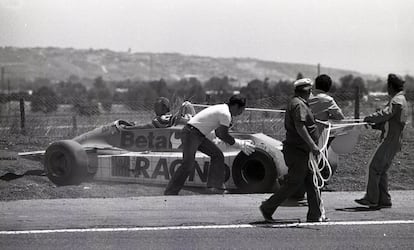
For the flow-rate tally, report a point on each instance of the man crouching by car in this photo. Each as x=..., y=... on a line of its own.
x=214, y=118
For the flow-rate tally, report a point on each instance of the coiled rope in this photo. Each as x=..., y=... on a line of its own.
x=320, y=162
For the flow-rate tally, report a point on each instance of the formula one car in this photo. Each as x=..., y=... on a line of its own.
x=121, y=152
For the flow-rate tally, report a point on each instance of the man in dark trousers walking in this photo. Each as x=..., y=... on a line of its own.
x=301, y=140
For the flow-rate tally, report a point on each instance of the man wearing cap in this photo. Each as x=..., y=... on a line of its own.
x=194, y=137
x=301, y=140
x=391, y=119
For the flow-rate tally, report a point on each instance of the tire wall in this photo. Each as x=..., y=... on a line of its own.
x=273, y=147
x=268, y=152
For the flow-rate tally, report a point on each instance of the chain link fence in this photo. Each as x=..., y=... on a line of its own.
x=17, y=117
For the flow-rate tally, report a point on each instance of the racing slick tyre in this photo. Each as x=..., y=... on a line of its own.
x=254, y=173
x=66, y=163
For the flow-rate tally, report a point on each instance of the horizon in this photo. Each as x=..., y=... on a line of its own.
x=370, y=37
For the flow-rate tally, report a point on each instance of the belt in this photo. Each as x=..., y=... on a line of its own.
x=192, y=128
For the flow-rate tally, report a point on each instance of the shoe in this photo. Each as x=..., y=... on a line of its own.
x=267, y=216
x=213, y=190
x=384, y=205
x=320, y=219
x=298, y=199
x=367, y=203
x=167, y=193
x=295, y=202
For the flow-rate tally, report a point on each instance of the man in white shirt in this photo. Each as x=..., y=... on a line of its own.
x=193, y=136
x=323, y=106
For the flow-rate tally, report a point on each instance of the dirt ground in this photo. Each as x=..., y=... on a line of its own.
x=350, y=175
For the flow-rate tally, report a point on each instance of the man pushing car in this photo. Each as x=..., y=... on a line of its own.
x=216, y=118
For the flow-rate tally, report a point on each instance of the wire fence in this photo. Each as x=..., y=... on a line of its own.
x=17, y=117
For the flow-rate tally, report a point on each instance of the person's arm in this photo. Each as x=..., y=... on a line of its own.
x=300, y=113
x=384, y=115
x=335, y=111
x=303, y=132
x=246, y=146
x=184, y=114
x=222, y=132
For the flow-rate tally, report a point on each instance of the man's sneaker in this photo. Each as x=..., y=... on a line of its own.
x=365, y=202
x=267, y=216
x=320, y=219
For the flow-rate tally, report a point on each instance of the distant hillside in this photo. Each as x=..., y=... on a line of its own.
x=60, y=63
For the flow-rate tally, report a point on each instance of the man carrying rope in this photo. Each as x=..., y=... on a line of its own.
x=391, y=120
x=324, y=108
x=301, y=141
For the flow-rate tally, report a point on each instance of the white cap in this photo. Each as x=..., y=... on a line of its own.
x=303, y=83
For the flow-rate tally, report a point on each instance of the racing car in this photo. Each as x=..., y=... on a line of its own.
x=122, y=152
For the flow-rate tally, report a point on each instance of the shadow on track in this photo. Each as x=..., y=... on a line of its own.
x=357, y=209
x=276, y=221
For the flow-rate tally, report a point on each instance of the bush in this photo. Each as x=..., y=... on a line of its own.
x=86, y=108
x=44, y=99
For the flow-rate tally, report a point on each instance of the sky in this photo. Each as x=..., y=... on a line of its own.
x=369, y=36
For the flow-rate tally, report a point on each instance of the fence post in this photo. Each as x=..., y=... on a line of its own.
x=22, y=117
x=74, y=125
x=356, y=111
x=412, y=114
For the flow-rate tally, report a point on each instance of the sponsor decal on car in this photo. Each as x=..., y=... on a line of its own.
x=160, y=168
x=165, y=140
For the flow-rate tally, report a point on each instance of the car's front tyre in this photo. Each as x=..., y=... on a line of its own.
x=66, y=163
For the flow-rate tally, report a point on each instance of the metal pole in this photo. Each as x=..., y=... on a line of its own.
x=74, y=125
x=2, y=77
x=356, y=111
x=8, y=97
x=22, y=117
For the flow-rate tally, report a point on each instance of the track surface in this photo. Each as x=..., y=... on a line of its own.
x=203, y=221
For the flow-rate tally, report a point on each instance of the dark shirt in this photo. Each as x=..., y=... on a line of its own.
x=163, y=121
x=298, y=110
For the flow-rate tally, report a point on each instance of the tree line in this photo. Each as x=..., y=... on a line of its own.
x=134, y=94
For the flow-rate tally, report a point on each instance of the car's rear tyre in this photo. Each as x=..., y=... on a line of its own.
x=66, y=163
x=256, y=173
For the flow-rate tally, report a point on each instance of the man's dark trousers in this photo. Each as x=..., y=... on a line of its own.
x=193, y=140
x=298, y=173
